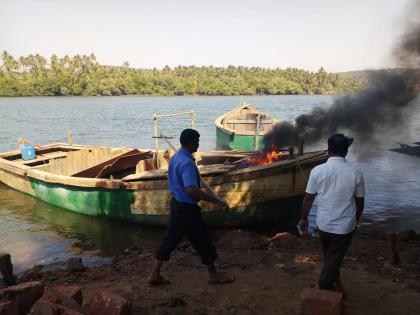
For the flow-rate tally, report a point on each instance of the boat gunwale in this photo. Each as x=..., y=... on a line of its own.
x=58, y=145
x=250, y=172
x=150, y=183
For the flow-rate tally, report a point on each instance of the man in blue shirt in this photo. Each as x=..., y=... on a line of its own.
x=185, y=217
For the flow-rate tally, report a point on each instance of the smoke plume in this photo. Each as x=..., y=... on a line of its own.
x=384, y=105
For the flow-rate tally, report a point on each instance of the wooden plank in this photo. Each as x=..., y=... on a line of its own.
x=145, y=165
x=249, y=121
x=163, y=173
x=214, y=169
x=13, y=167
x=45, y=158
x=93, y=171
x=152, y=174
x=122, y=163
x=75, y=181
x=83, y=159
x=39, y=149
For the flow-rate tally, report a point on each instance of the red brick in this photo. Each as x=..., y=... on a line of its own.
x=24, y=294
x=75, y=264
x=105, y=303
x=63, y=303
x=321, y=302
x=33, y=274
x=9, y=308
x=43, y=307
x=72, y=292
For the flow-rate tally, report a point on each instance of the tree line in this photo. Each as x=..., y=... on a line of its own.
x=35, y=75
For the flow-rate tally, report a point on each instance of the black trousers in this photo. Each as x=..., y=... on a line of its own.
x=334, y=248
x=186, y=220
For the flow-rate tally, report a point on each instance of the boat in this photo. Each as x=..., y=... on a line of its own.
x=243, y=128
x=131, y=185
x=413, y=150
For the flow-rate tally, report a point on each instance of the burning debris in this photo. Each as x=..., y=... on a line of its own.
x=382, y=107
x=264, y=157
x=268, y=156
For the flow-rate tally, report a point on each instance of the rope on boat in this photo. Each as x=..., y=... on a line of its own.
x=301, y=170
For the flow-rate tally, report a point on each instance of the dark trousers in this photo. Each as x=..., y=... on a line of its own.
x=186, y=220
x=334, y=248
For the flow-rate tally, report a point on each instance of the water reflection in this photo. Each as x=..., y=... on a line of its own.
x=38, y=233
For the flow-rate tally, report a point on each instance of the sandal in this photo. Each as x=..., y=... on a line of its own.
x=159, y=281
x=222, y=278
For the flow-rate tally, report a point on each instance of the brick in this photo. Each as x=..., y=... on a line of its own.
x=72, y=292
x=9, y=308
x=75, y=264
x=24, y=294
x=43, y=307
x=105, y=303
x=321, y=302
x=33, y=274
x=62, y=302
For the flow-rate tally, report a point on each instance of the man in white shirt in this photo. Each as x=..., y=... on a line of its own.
x=339, y=189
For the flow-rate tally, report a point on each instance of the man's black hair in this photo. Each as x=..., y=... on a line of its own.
x=188, y=136
x=338, y=144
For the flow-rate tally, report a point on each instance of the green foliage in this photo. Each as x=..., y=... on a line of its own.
x=34, y=75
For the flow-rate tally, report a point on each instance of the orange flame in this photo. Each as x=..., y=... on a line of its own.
x=267, y=158
x=272, y=156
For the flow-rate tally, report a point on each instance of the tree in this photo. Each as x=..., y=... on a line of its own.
x=82, y=75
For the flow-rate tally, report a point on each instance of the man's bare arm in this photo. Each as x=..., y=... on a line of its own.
x=308, y=201
x=198, y=194
x=360, y=205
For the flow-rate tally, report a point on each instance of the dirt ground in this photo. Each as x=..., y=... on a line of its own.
x=270, y=276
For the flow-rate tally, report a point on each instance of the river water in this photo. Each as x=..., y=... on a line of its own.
x=37, y=233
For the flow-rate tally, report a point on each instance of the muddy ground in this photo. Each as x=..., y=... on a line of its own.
x=270, y=276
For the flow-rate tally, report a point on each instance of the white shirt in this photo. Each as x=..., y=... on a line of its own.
x=336, y=183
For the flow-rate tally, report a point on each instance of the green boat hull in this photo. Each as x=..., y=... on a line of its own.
x=117, y=205
x=230, y=141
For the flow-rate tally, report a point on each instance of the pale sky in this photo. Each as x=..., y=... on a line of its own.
x=340, y=35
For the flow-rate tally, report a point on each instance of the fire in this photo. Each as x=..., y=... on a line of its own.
x=266, y=157
x=273, y=156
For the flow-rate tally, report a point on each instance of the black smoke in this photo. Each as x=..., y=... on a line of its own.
x=384, y=106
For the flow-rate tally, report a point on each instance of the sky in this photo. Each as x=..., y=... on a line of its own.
x=339, y=35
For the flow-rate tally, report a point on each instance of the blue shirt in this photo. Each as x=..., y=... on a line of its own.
x=183, y=172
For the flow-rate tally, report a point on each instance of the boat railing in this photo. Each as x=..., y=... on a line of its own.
x=158, y=136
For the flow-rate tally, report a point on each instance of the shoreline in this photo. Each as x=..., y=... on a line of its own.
x=270, y=276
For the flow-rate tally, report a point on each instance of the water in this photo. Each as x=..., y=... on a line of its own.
x=37, y=233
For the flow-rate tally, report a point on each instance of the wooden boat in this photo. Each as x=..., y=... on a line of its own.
x=126, y=184
x=242, y=128
x=413, y=150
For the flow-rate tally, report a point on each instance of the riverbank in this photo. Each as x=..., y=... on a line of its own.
x=271, y=275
